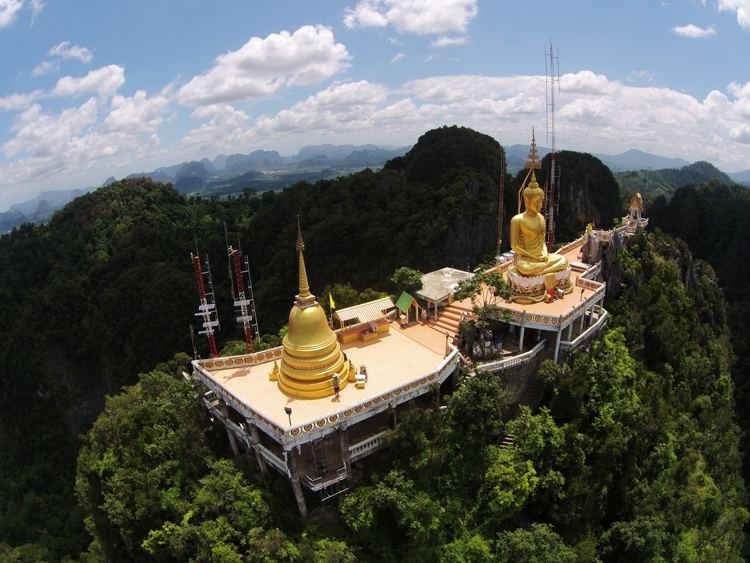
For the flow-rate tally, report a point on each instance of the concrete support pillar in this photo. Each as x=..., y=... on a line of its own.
x=570, y=332
x=232, y=439
x=557, y=344
x=255, y=440
x=344, y=446
x=291, y=460
x=520, y=338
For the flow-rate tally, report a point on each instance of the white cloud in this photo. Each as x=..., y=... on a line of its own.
x=327, y=110
x=137, y=113
x=45, y=67
x=595, y=114
x=741, y=134
x=641, y=76
x=741, y=7
x=693, y=31
x=397, y=57
x=40, y=134
x=448, y=41
x=65, y=51
x=105, y=81
x=263, y=66
x=422, y=17
x=36, y=8
x=14, y=102
x=60, y=52
x=8, y=11
x=365, y=14
x=226, y=131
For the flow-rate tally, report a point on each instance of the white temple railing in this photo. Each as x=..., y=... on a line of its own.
x=586, y=334
x=273, y=459
x=323, y=481
x=365, y=447
x=514, y=361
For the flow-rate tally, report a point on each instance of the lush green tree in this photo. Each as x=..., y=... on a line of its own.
x=539, y=544
x=407, y=279
x=475, y=419
x=484, y=289
x=394, y=519
x=507, y=484
x=473, y=548
x=139, y=460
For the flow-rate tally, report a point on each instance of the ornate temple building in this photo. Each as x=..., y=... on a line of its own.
x=325, y=399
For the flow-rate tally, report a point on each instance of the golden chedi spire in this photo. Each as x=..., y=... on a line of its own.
x=533, y=162
x=304, y=298
x=311, y=354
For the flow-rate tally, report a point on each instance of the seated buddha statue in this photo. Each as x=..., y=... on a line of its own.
x=527, y=237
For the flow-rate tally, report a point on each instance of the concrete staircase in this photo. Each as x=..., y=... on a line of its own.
x=450, y=317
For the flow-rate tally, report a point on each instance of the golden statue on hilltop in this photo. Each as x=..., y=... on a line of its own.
x=536, y=274
x=527, y=236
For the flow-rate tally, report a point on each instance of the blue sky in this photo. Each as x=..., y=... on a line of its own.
x=91, y=89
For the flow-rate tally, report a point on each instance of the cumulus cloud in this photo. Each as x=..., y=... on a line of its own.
x=640, y=76
x=595, y=114
x=60, y=52
x=397, y=57
x=105, y=81
x=65, y=51
x=41, y=134
x=15, y=102
x=447, y=41
x=137, y=113
x=423, y=17
x=227, y=129
x=340, y=104
x=264, y=65
x=693, y=31
x=8, y=11
x=741, y=8
x=741, y=134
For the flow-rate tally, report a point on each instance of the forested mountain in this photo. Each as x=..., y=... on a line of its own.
x=714, y=220
x=105, y=291
x=664, y=182
x=632, y=457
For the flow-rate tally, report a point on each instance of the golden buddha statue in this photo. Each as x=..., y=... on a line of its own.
x=527, y=237
x=537, y=274
x=312, y=363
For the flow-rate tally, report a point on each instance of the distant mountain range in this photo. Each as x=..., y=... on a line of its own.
x=629, y=160
x=263, y=170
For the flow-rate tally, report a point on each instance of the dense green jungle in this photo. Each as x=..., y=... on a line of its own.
x=634, y=454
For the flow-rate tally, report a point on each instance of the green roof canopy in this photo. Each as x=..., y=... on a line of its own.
x=404, y=302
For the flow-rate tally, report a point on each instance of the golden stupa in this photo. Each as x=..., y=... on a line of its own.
x=311, y=360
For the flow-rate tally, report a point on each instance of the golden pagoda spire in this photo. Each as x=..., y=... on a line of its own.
x=533, y=161
x=311, y=354
x=304, y=298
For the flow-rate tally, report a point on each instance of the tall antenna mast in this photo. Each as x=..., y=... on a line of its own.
x=242, y=291
x=552, y=86
x=500, y=206
x=207, y=304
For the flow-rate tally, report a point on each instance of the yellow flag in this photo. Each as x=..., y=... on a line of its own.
x=330, y=299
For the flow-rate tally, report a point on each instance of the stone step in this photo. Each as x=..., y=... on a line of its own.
x=506, y=442
x=449, y=328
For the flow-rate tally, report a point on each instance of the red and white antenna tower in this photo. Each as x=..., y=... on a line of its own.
x=552, y=86
x=242, y=293
x=500, y=206
x=207, y=307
